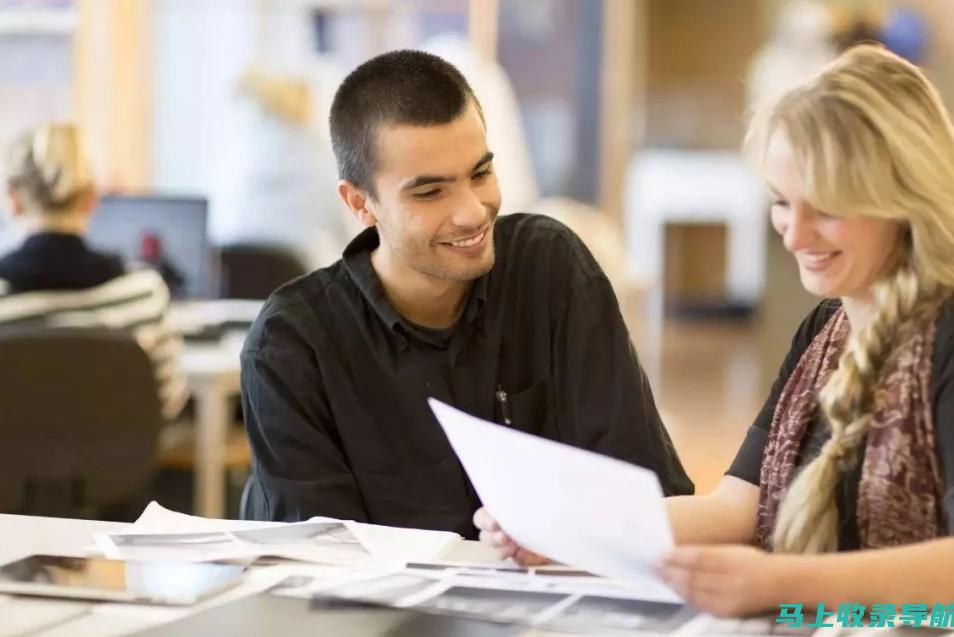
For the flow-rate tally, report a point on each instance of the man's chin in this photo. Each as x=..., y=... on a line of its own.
x=471, y=274
x=465, y=273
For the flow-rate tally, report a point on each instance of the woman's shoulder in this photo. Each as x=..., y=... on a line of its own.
x=945, y=319
x=944, y=339
x=814, y=322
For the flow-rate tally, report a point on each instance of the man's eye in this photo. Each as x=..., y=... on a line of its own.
x=427, y=194
x=481, y=175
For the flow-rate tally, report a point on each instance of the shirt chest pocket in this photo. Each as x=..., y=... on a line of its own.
x=530, y=411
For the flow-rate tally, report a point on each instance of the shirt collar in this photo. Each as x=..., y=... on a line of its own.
x=357, y=261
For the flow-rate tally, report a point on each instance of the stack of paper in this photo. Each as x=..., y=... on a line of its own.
x=163, y=534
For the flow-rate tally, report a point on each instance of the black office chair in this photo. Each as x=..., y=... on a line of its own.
x=79, y=424
x=254, y=271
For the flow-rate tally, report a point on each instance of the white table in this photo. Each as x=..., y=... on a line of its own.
x=213, y=371
x=22, y=535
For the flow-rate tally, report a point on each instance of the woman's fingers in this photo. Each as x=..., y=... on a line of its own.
x=497, y=540
x=723, y=580
x=492, y=534
x=484, y=521
x=529, y=558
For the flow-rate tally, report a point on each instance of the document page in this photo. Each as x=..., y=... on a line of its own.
x=574, y=506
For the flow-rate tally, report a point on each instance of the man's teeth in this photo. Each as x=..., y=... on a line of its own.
x=467, y=243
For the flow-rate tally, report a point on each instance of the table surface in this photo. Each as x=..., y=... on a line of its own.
x=19, y=616
x=21, y=536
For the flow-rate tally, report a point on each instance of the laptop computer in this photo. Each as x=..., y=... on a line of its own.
x=167, y=233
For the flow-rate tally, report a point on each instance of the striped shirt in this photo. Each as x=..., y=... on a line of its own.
x=136, y=303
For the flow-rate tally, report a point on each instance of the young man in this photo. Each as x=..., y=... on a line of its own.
x=509, y=319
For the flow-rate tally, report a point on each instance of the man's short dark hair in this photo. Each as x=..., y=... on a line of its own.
x=399, y=87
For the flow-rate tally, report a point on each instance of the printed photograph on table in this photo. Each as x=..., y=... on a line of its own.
x=330, y=533
x=615, y=616
x=172, y=540
x=391, y=590
x=316, y=541
x=480, y=568
x=493, y=604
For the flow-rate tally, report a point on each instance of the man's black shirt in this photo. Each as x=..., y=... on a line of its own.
x=335, y=382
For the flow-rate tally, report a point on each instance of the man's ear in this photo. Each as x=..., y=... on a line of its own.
x=357, y=201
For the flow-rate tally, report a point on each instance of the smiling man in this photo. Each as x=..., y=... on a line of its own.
x=507, y=318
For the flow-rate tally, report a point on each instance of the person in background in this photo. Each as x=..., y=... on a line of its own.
x=801, y=44
x=54, y=279
x=286, y=188
x=506, y=132
x=509, y=318
x=843, y=490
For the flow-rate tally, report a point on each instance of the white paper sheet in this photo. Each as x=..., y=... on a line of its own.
x=163, y=534
x=572, y=505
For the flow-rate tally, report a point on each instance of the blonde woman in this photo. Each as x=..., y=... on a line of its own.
x=842, y=491
x=54, y=279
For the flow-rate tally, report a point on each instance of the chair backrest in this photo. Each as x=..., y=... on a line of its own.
x=80, y=415
x=255, y=271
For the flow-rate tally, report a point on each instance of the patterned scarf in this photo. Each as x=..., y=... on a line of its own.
x=901, y=493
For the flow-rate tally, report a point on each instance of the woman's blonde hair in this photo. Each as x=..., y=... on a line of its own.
x=47, y=166
x=872, y=138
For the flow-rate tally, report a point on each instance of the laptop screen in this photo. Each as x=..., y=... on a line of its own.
x=169, y=234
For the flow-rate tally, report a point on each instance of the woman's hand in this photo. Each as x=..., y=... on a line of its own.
x=727, y=580
x=492, y=534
